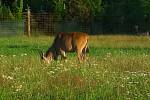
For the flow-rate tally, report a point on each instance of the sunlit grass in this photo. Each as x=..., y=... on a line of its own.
x=117, y=67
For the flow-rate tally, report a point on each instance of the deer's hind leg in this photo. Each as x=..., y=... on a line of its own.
x=81, y=52
x=79, y=55
x=84, y=53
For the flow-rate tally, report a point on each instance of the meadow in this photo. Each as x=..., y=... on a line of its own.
x=117, y=68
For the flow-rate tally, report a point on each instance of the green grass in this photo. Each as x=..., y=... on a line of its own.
x=117, y=68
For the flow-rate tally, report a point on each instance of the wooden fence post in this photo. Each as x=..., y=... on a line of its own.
x=28, y=22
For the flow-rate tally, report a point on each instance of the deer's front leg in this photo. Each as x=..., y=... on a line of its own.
x=63, y=54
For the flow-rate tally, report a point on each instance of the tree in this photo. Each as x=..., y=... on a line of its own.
x=60, y=7
x=123, y=15
x=13, y=7
x=39, y=5
x=95, y=6
x=17, y=8
x=5, y=12
x=83, y=9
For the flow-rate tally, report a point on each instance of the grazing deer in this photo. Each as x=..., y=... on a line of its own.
x=67, y=42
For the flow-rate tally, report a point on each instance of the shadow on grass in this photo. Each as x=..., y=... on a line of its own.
x=18, y=46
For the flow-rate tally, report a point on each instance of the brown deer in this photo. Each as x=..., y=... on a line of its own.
x=67, y=42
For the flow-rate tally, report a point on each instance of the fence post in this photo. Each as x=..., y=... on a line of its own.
x=28, y=22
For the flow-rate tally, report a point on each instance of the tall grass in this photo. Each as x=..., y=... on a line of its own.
x=117, y=68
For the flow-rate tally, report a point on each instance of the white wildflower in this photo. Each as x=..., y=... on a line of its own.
x=61, y=64
x=7, y=77
x=143, y=74
x=122, y=85
x=1, y=55
x=14, y=55
x=51, y=72
x=18, y=88
x=148, y=94
x=65, y=69
x=24, y=54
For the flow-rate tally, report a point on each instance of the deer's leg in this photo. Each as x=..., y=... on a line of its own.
x=79, y=55
x=84, y=51
x=63, y=54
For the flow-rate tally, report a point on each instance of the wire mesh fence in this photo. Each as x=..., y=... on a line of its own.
x=9, y=27
x=50, y=24
x=41, y=23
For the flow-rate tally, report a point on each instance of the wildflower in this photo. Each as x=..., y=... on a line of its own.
x=108, y=54
x=14, y=55
x=126, y=78
x=18, y=88
x=94, y=64
x=51, y=72
x=1, y=55
x=148, y=94
x=4, y=76
x=122, y=85
x=65, y=69
x=56, y=69
x=7, y=77
x=143, y=74
x=61, y=64
x=24, y=54
x=16, y=68
x=130, y=82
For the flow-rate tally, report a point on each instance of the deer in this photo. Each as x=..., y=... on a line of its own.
x=67, y=42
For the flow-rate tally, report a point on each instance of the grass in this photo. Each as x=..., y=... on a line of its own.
x=117, y=68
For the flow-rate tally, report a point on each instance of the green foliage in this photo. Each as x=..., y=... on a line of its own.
x=5, y=13
x=80, y=9
x=95, y=6
x=125, y=14
x=40, y=5
x=84, y=9
x=12, y=9
x=36, y=5
x=17, y=8
x=60, y=7
x=113, y=15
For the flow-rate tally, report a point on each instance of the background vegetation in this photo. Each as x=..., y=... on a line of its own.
x=112, y=15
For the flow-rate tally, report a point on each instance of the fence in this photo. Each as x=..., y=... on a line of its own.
x=10, y=26
x=49, y=24
x=43, y=23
